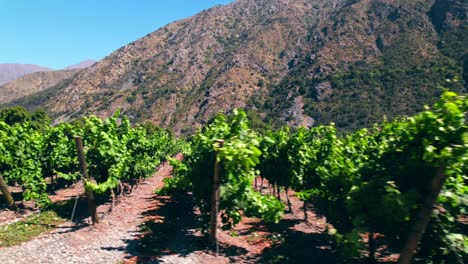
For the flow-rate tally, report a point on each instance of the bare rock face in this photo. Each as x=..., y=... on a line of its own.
x=252, y=53
x=324, y=90
x=299, y=118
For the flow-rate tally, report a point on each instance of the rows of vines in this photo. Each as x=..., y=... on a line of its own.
x=368, y=184
x=375, y=180
x=239, y=156
x=116, y=153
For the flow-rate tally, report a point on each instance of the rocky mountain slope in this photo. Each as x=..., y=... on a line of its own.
x=32, y=83
x=11, y=71
x=300, y=62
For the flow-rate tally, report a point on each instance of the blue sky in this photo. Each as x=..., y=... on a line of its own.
x=58, y=33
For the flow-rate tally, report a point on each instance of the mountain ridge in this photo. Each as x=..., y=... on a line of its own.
x=38, y=81
x=32, y=83
x=294, y=62
x=81, y=65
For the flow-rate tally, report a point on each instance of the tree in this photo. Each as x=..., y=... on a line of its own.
x=14, y=115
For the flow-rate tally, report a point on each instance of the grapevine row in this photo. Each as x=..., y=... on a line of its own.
x=116, y=152
x=375, y=181
x=368, y=184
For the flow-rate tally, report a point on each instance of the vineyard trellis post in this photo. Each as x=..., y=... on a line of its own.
x=6, y=194
x=84, y=174
x=215, y=199
x=423, y=217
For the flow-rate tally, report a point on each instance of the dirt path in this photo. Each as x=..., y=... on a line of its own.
x=104, y=243
x=172, y=236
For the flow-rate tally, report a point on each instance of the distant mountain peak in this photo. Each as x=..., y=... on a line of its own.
x=11, y=71
x=82, y=65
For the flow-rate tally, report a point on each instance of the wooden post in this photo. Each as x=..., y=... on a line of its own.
x=84, y=174
x=423, y=217
x=304, y=207
x=372, y=247
x=215, y=200
x=261, y=185
x=6, y=194
x=287, y=199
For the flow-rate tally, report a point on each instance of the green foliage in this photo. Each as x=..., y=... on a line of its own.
x=20, y=152
x=178, y=182
x=238, y=156
x=19, y=115
x=152, y=129
x=115, y=152
x=375, y=180
x=59, y=155
x=40, y=119
x=14, y=115
x=372, y=180
x=274, y=164
x=256, y=121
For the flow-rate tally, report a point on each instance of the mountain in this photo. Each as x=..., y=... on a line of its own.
x=82, y=65
x=11, y=71
x=296, y=62
x=32, y=83
x=38, y=81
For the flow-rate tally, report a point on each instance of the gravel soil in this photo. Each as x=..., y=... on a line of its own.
x=83, y=243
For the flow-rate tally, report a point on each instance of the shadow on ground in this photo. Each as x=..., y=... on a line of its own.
x=18, y=198
x=171, y=230
x=299, y=247
x=289, y=245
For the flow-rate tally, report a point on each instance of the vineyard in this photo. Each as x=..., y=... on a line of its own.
x=402, y=181
x=378, y=181
x=118, y=156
